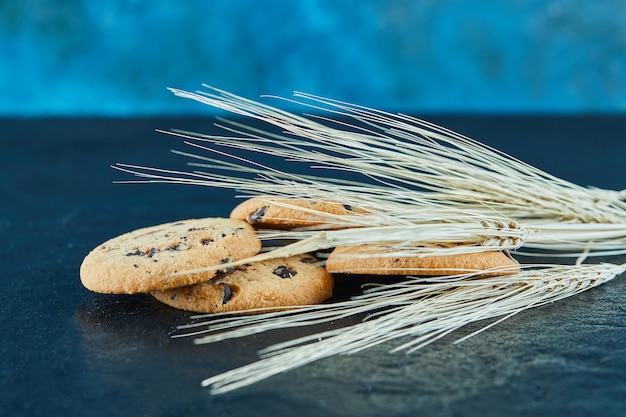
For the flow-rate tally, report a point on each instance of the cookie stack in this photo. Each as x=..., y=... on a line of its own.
x=150, y=260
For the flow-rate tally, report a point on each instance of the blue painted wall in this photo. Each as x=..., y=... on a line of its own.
x=69, y=57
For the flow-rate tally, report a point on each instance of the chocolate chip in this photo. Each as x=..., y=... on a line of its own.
x=347, y=207
x=206, y=241
x=152, y=252
x=257, y=215
x=228, y=293
x=284, y=272
x=307, y=260
x=194, y=229
x=178, y=246
x=136, y=253
x=226, y=270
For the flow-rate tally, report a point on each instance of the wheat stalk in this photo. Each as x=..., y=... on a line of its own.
x=419, y=184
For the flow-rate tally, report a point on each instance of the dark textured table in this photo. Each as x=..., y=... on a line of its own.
x=68, y=352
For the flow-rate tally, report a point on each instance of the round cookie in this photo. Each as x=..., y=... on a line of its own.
x=144, y=260
x=282, y=282
x=370, y=259
x=262, y=213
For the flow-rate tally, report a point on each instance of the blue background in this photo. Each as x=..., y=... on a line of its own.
x=82, y=57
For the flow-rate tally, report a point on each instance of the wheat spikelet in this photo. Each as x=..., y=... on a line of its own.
x=419, y=184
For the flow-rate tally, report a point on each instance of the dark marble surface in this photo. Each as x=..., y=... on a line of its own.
x=66, y=351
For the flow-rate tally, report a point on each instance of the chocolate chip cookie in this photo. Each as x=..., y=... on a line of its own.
x=293, y=281
x=274, y=213
x=145, y=260
x=371, y=259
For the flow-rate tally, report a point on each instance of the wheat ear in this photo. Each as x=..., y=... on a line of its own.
x=421, y=310
x=413, y=172
x=411, y=152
